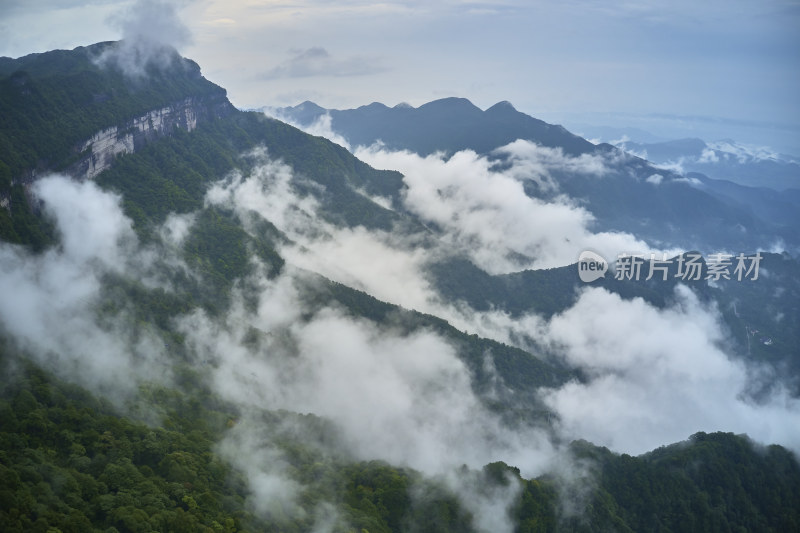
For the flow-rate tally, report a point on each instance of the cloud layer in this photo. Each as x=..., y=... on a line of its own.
x=656, y=376
x=50, y=300
x=646, y=367
x=652, y=376
x=484, y=211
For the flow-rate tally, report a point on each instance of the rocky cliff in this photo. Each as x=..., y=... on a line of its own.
x=99, y=151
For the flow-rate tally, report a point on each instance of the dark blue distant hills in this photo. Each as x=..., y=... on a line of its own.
x=647, y=194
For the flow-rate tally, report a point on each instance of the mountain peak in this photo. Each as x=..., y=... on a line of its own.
x=374, y=107
x=449, y=125
x=452, y=103
x=502, y=107
x=309, y=106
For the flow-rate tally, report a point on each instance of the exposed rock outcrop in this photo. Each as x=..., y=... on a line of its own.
x=100, y=150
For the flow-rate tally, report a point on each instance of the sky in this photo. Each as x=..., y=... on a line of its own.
x=711, y=69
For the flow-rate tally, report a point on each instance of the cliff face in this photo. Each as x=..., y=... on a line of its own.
x=100, y=150
x=66, y=111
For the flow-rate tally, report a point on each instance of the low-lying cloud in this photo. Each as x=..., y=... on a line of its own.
x=480, y=208
x=646, y=367
x=484, y=212
x=388, y=266
x=50, y=300
x=151, y=33
x=652, y=376
x=655, y=376
x=399, y=396
x=402, y=397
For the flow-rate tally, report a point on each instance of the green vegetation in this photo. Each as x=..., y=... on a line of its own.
x=172, y=175
x=714, y=482
x=764, y=315
x=50, y=102
x=70, y=462
x=21, y=224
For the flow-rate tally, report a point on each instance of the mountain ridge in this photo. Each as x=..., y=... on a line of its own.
x=671, y=208
x=452, y=118
x=724, y=160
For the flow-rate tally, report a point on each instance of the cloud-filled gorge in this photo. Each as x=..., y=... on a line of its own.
x=404, y=395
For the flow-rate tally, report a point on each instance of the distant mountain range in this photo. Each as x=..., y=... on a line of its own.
x=449, y=124
x=723, y=160
x=635, y=195
x=638, y=195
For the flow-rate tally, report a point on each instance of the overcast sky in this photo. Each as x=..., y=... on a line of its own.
x=714, y=66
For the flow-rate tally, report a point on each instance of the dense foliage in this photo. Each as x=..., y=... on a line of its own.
x=70, y=462
x=52, y=102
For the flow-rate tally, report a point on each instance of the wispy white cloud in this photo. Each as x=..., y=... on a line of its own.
x=743, y=153
x=646, y=367
x=655, y=179
x=708, y=156
x=672, y=166
x=485, y=212
x=655, y=376
x=409, y=392
x=151, y=33
x=316, y=62
x=50, y=300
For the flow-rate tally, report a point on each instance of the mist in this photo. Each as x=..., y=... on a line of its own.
x=50, y=302
x=151, y=31
x=389, y=394
x=653, y=376
x=480, y=208
x=656, y=376
x=647, y=367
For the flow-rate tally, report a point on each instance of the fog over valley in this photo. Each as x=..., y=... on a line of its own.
x=273, y=307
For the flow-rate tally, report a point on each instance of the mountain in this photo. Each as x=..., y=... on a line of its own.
x=593, y=131
x=623, y=193
x=449, y=125
x=213, y=321
x=634, y=195
x=724, y=160
x=62, y=113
